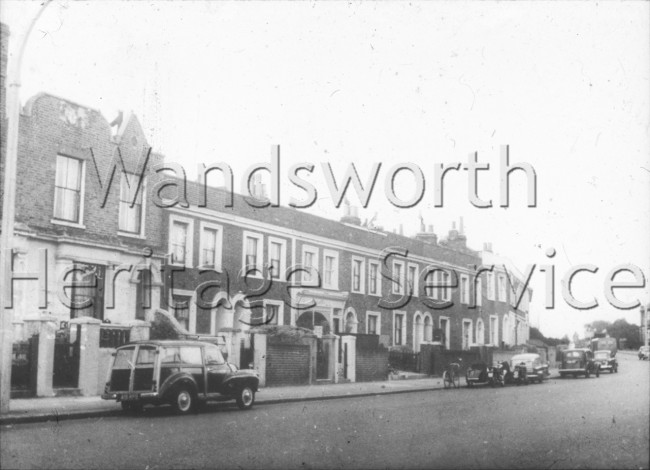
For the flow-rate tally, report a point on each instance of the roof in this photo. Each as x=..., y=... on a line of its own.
x=525, y=356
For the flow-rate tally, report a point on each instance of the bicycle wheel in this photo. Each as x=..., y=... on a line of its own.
x=446, y=379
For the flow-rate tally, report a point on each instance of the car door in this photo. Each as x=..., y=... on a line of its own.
x=216, y=368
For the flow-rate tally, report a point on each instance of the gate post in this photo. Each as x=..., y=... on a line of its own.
x=331, y=340
x=45, y=327
x=259, y=357
x=88, y=354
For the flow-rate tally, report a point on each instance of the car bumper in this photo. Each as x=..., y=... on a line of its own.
x=130, y=396
x=572, y=371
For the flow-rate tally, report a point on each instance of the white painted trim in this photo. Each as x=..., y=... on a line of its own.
x=377, y=315
x=283, y=256
x=362, y=274
x=464, y=293
x=496, y=332
x=447, y=330
x=189, y=241
x=140, y=234
x=398, y=288
x=280, y=305
x=378, y=292
x=462, y=332
x=418, y=319
x=430, y=317
x=303, y=236
x=66, y=223
x=404, y=326
x=416, y=278
x=217, y=266
x=259, y=255
x=314, y=268
x=480, y=341
x=335, y=278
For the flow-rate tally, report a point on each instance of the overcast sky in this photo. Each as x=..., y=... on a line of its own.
x=565, y=85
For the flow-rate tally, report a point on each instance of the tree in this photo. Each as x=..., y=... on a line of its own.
x=619, y=329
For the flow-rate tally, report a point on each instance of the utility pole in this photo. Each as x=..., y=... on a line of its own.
x=9, y=211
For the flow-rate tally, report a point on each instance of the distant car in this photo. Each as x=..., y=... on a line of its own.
x=180, y=373
x=536, y=370
x=644, y=352
x=606, y=361
x=577, y=362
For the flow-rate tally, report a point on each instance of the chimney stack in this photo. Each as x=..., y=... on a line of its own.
x=428, y=237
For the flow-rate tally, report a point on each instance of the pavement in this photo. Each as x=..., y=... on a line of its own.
x=30, y=410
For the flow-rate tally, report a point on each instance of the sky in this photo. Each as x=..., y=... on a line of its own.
x=564, y=84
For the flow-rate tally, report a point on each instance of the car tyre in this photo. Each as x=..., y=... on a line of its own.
x=245, y=398
x=184, y=401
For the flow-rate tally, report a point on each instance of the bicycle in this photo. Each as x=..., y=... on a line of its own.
x=451, y=375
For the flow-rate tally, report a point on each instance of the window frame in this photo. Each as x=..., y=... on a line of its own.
x=377, y=317
x=402, y=314
x=464, y=290
x=283, y=257
x=218, y=248
x=398, y=288
x=334, y=283
x=82, y=192
x=307, y=277
x=189, y=240
x=259, y=255
x=362, y=274
x=376, y=265
x=276, y=303
x=416, y=277
x=143, y=200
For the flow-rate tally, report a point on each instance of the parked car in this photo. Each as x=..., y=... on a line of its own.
x=644, y=352
x=606, y=360
x=577, y=362
x=535, y=369
x=180, y=373
x=479, y=373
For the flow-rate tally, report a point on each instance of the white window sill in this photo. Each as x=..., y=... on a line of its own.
x=131, y=235
x=67, y=224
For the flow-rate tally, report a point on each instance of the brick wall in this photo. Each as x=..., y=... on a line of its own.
x=287, y=364
x=371, y=365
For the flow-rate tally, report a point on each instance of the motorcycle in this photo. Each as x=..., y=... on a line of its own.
x=479, y=374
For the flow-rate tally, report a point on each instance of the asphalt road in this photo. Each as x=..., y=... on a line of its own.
x=563, y=423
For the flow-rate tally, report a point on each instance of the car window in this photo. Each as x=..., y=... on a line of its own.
x=123, y=358
x=171, y=356
x=213, y=355
x=572, y=354
x=191, y=355
x=146, y=356
x=602, y=355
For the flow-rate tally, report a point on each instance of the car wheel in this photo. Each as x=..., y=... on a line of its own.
x=245, y=398
x=184, y=401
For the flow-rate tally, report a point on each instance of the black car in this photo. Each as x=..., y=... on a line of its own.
x=606, y=361
x=579, y=362
x=180, y=373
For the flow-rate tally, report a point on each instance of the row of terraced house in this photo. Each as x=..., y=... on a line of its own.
x=97, y=251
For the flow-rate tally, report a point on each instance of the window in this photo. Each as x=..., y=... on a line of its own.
x=398, y=277
x=480, y=332
x=210, y=246
x=429, y=285
x=180, y=241
x=358, y=275
x=490, y=286
x=252, y=260
x=467, y=334
x=413, y=278
x=273, y=312
x=331, y=273
x=464, y=289
x=68, y=189
x=310, y=264
x=181, y=308
x=374, y=287
x=399, y=329
x=372, y=323
x=131, y=207
x=445, y=290
x=277, y=258
x=146, y=356
x=191, y=355
x=494, y=333
x=479, y=291
x=502, y=287
x=213, y=355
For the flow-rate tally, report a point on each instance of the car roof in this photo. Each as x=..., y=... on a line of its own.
x=577, y=349
x=525, y=356
x=168, y=342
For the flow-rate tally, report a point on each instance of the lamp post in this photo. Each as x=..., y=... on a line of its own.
x=9, y=209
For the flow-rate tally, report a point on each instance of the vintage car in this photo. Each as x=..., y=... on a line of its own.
x=183, y=374
x=535, y=370
x=579, y=362
x=606, y=360
x=480, y=373
x=644, y=353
